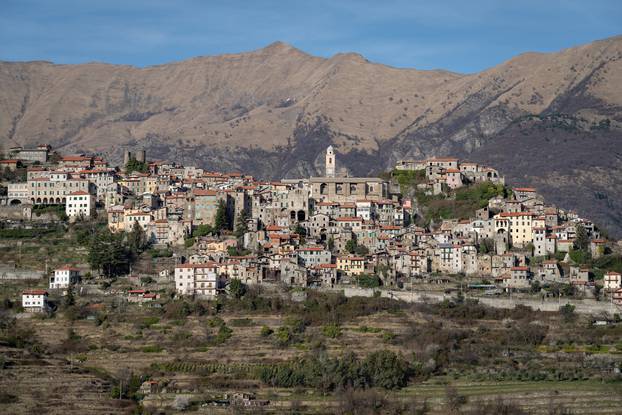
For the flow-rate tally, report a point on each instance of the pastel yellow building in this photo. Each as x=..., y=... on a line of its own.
x=351, y=265
x=517, y=225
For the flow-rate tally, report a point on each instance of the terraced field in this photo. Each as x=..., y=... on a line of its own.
x=31, y=384
x=489, y=359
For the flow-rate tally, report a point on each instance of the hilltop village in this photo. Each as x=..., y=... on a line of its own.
x=329, y=232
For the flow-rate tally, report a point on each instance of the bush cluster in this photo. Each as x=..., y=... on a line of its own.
x=382, y=369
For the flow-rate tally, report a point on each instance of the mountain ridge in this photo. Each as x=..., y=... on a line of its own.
x=273, y=110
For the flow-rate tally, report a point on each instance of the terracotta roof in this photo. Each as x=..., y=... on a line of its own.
x=279, y=236
x=206, y=265
x=520, y=268
x=96, y=171
x=79, y=193
x=35, y=292
x=349, y=219
x=524, y=189
x=514, y=214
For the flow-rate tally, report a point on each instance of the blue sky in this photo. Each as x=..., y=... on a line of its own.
x=462, y=36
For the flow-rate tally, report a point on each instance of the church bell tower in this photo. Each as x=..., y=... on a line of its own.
x=330, y=162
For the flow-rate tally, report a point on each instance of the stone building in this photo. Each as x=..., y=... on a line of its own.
x=348, y=189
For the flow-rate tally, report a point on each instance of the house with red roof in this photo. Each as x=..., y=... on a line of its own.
x=64, y=277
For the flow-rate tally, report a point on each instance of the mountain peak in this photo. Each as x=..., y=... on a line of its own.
x=280, y=47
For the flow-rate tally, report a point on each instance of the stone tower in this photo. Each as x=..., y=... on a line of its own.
x=330, y=162
x=141, y=155
x=126, y=157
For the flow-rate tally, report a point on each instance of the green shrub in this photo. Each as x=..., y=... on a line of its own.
x=388, y=336
x=368, y=281
x=241, y=322
x=149, y=321
x=181, y=335
x=580, y=256
x=567, y=312
x=160, y=253
x=146, y=280
x=367, y=329
x=202, y=230
x=383, y=369
x=224, y=333
x=7, y=398
x=297, y=325
x=215, y=322
x=331, y=330
x=408, y=179
x=266, y=331
x=154, y=348
x=283, y=336
x=237, y=288
x=611, y=262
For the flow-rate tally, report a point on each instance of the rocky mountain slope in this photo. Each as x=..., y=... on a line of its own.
x=553, y=121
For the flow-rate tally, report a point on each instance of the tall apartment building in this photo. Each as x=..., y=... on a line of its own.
x=197, y=279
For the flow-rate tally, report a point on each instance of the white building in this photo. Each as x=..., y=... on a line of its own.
x=197, y=279
x=365, y=209
x=35, y=300
x=103, y=179
x=17, y=192
x=613, y=280
x=80, y=205
x=63, y=277
x=54, y=189
x=311, y=256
